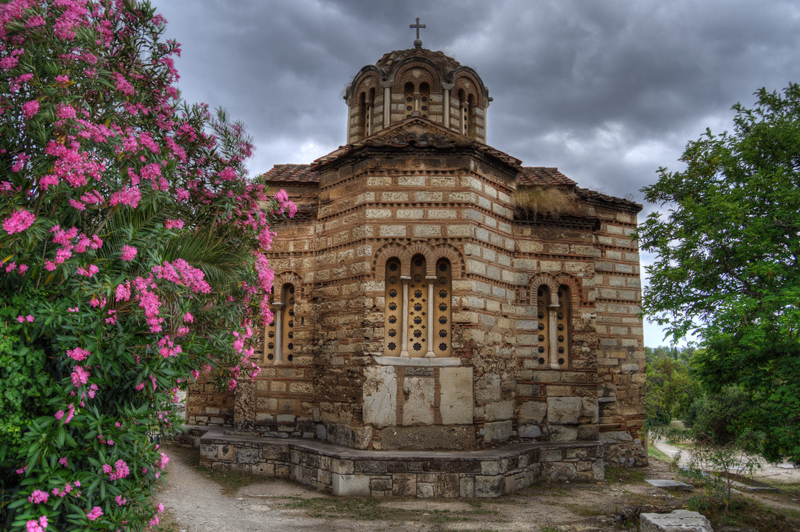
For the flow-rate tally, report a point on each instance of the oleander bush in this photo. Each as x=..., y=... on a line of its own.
x=130, y=259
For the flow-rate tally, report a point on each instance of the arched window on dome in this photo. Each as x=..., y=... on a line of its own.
x=408, y=99
x=471, y=116
x=442, y=291
x=393, y=321
x=369, y=113
x=424, y=98
x=362, y=115
x=463, y=106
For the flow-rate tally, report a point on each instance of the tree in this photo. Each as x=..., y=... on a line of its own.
x=726, y=265
x=130, y=259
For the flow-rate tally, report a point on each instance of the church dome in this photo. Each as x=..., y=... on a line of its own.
x=415, y=83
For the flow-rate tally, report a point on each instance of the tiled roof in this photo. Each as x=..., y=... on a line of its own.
x=540, y=175
x=389, y=61
x=595, y=196
x=292, y=172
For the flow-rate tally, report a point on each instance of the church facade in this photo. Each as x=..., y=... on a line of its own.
x=433, y=293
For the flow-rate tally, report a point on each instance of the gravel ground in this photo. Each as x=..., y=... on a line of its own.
x=203, y=501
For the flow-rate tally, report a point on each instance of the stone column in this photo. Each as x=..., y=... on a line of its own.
x=552, y=329
x=278, y=333
x=404, y=318
x=431, y=282
x=387, y=106
x=446, y=108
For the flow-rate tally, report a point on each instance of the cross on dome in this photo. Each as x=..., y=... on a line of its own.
x=417, y=41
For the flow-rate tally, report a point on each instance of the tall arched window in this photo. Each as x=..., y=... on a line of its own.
x=562, y=333
x=408, y=96
x=554, y=327
x=470, y=116
x=442, y=301
x=393, y=321
x=424, y=98
x=362, y=114
x=463, y=107
x=287, y=311
x=370, y=107
x=418, y=309
x=270, y=339
x=543, y=316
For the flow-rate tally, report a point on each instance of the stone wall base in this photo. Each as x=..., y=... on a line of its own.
x=447, y=474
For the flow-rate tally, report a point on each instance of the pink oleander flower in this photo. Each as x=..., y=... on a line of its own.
x=80, y=376
x=38, y=496
x=36, y=526
x=129, y=253
x=21, y=319
x=22, y=470
x=154, y=521
x=123, y=292
x=64, y=461
x=29, y=318
x=22, y=268
x=29, y=109
x=160, y=508
x=120, y=500
x=174, y=224
x=89, y=272
x=188, y=317
x=94, y=513
x=162, y=463
x=65, y=111
x=78, y=354
x=18, y=222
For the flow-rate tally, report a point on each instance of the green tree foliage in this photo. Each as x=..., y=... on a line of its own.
x=726, y=265
x=671, y=388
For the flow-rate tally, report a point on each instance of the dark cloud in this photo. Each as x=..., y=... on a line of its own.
x=607, y=91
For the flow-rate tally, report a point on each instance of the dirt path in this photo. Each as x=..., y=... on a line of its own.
x=784, y=473
x=208, y=501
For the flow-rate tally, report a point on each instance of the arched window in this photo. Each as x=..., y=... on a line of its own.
x=270, y=340
x=463, y=107
x=543, y=317
x=424, y=98
x=393, y=321
x=470, y=117
x=279, y=343
x=418, y=309
x=442, y=301
x=563, y=333
x=370, y=107
x=362, y=114
x=408, y=97
x=554, y=333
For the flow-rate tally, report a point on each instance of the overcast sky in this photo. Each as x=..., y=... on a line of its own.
x=605, y=90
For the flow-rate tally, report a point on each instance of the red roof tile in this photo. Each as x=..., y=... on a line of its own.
x=540, y=175
x=292, y=172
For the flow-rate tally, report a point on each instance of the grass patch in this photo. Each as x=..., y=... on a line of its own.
x=231, y=481
x=652, y=452
x=625, y=475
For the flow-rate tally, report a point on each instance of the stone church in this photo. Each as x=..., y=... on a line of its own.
x=434, y=294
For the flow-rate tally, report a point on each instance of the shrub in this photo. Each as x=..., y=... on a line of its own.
x=130, y=260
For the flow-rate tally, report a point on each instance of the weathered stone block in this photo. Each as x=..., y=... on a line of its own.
x=344, y=485
x=563, y=410
x=487, y=388
x=677, y=520
x=529, y=431
x=404, y=484
x=532, y=412
x=489, y=486
x=453, y=437
x=419, y=396
x=498, y=431
x=380, y=396
x=455, y=399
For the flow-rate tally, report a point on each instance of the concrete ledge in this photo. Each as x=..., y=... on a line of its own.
x=446, y=474
x=423, y=362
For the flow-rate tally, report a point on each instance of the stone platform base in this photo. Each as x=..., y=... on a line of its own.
x=447, y=474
